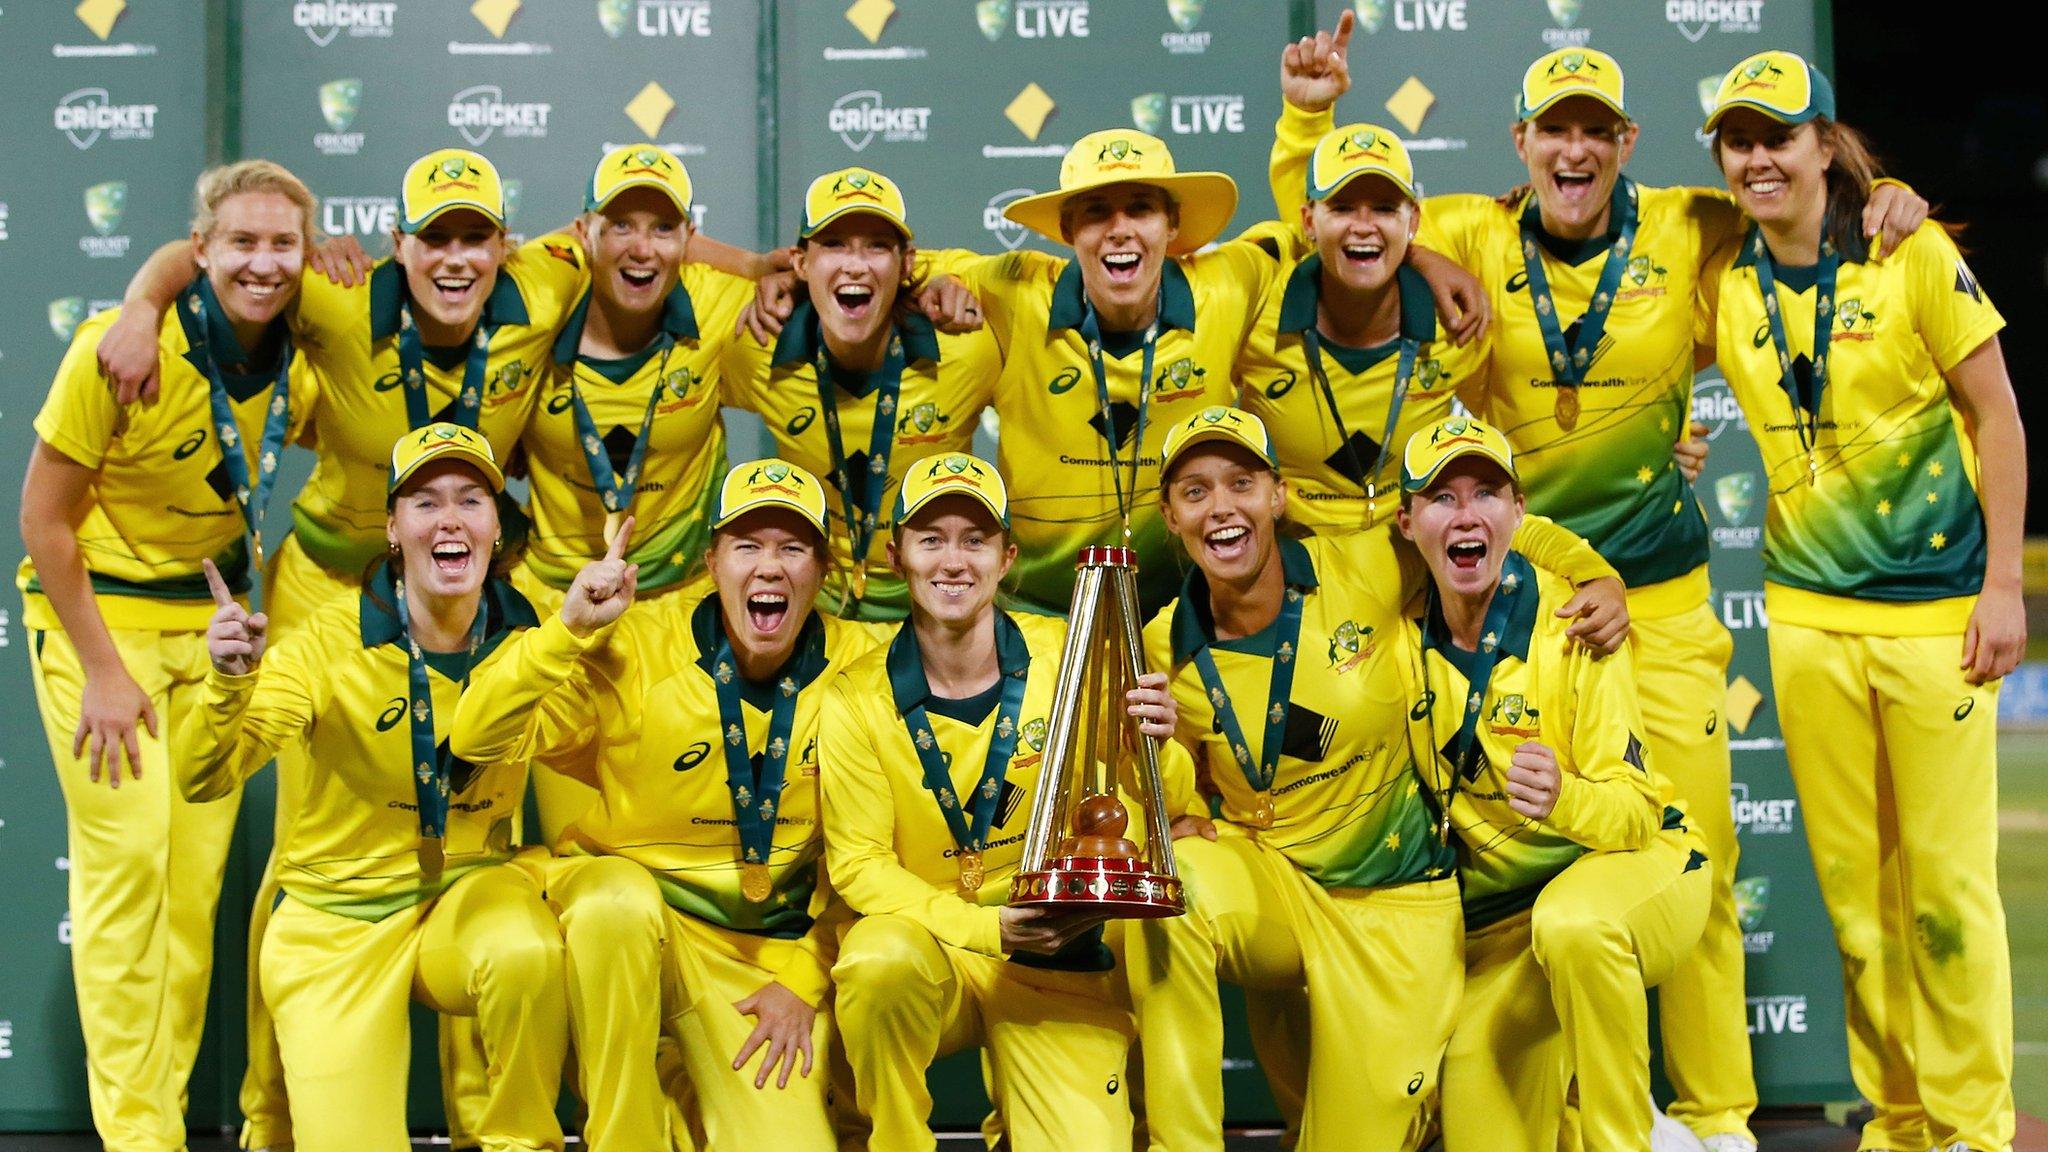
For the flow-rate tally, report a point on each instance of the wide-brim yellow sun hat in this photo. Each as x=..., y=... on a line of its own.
x=1570, y=72
x=1430, y=450
x=1781, y=85
x=1211, y=425
x=953, y=474
x=443, y=441
x=639, y=166
x=445, y=180
x=1206, y=200
x=1344, y=154
x=854, y=191
x=760, y=484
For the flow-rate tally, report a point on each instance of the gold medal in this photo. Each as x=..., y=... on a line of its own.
x=857, y=580
x=1567, y=406
x=1262, y=811
x=971, y=873
x=754, y=883
x=432, y=856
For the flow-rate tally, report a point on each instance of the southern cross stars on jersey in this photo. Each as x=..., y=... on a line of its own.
x=163, y=501
x=1549, y=689
x=1058, y=444
x=339, y=684
x=946, y=382
x=1350, y=806
x=350, y=337
x=636, y=716
x=684, y=455
x=1885, y=507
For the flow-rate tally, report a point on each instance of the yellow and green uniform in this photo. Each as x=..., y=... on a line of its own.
x=148, y=865
x=651, y=883
x=1874, y=552
x=684, y=451
x=1569, y=919
x=366, y=922
x=1597, y=458
x=922, y=972
x=1333, y=876
x=942, y=384
x=1065, y=449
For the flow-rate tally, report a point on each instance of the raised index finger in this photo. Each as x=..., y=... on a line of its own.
x=620, y=539
x=1341, y=41
x=219, y=587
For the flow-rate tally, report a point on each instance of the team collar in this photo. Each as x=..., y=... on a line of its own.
x=1194, y=627
x=1304, y=293
x=1521, y=625
x=220, y=336
x=806, y=660
x=678, y=319
x=505, y=305
x=803, y=335
x=907, y=682
x=1858, y=251
x=505, y=609
x=1176, y=298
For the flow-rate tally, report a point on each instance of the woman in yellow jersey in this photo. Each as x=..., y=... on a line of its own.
x=894, y=390
x=930, y=751
x=397, y=867
x=119, y=509
x=1328, y=870
x=689, y=892
x=1582, y=885
x=1897, y=471
x=1593, y=280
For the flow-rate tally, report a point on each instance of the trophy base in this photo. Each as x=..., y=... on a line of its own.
x=1121, y=887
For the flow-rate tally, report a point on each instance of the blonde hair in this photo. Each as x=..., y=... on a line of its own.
x=218, y=183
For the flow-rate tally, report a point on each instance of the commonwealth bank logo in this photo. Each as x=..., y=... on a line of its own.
x=99, y=15
x=649, y=109
x=870, y=17
x=1410, y=104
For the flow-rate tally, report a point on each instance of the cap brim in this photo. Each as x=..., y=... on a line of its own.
x=1406, y=188
x=1207, y=201
x=1427, y=478
x=862, y=209
x=661, y=186
x=1552, y=100
x=494, y=475
x=1212, y=435
x=947, y=491
x=441, y=210
x=1780, y=115
x=809, y=515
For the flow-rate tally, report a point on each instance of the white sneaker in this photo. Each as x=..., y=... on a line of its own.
x=1668, y=1135
x=1729, y=1142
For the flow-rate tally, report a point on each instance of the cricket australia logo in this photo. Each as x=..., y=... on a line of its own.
x=922, y=424
x=1854, y=322
x=1513, y=715
x=1180, y=380
x=1350, y=646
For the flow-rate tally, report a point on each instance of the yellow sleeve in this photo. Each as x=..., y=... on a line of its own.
x=241, y=721
x=717, y=298
x=552, y=272
x=1560, y=551
x=80, y=416
x=528, y=701
x=743, y=369
x=1294, y=141
x=1455, y=226
x=994, y=280
x=1608, y=801
x=1950, y=310
x=860, y=836
x=329, y=314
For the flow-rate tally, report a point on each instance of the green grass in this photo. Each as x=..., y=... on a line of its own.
x=2023, y=881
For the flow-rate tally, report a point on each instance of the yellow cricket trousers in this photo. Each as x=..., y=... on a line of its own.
x=1384, y=963
x=338, y=990
x=1559, y=992
x=144, y=876
x=1896, y=762
x=294, y=588
x=1056, y=1041
x=1702, y=1013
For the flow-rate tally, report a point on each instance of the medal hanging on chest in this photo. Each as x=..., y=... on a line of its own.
x=970, y=822
x=1280, y=686
x=1570, y=361
x=429, y=772
x=754, y=796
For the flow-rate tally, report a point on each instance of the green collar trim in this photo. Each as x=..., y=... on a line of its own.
x=505, y=609
x=678, y=319
x=1194, y=626
x=387, y=283
x=1304, y=293
x=906, y=664
x=802, y=337
x=1521, y=625
x=1176, y=298
x=805, y=663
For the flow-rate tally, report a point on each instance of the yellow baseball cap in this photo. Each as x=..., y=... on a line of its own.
x=1434, y=447
x=1570, y=72
x=1217, y=422
x=1127, y=156
x=1355, y=150
x=447, y=179
x=953, y=474
x=761, y=484
x=1781, y=85
x=852, y=190
x=442, y=441
x=639, y=166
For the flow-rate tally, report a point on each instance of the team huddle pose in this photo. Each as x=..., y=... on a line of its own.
x=1433, y=666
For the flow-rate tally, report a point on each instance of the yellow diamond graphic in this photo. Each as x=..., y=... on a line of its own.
x=1410, y=103
x=495, y=15
x=99, y=15
x=1743, y=701
x=870, y=16
x=649, y=110
x=1029, y=110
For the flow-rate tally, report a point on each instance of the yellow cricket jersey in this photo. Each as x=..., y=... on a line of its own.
x=163, y=500
x=350, y=337
x=684, y=457
x=1329, y=457
x=1059, y=442
x=1879, y=531
x=1350, y=806
x=1548, y=689
x=634, y=714
x=887, y=843
x=946, y=382
x=1597, y=458
x=338, y=685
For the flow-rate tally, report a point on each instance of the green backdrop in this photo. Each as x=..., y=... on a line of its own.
x=968, y=105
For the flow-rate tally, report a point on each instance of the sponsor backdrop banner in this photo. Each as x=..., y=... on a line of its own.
x=113, y=106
